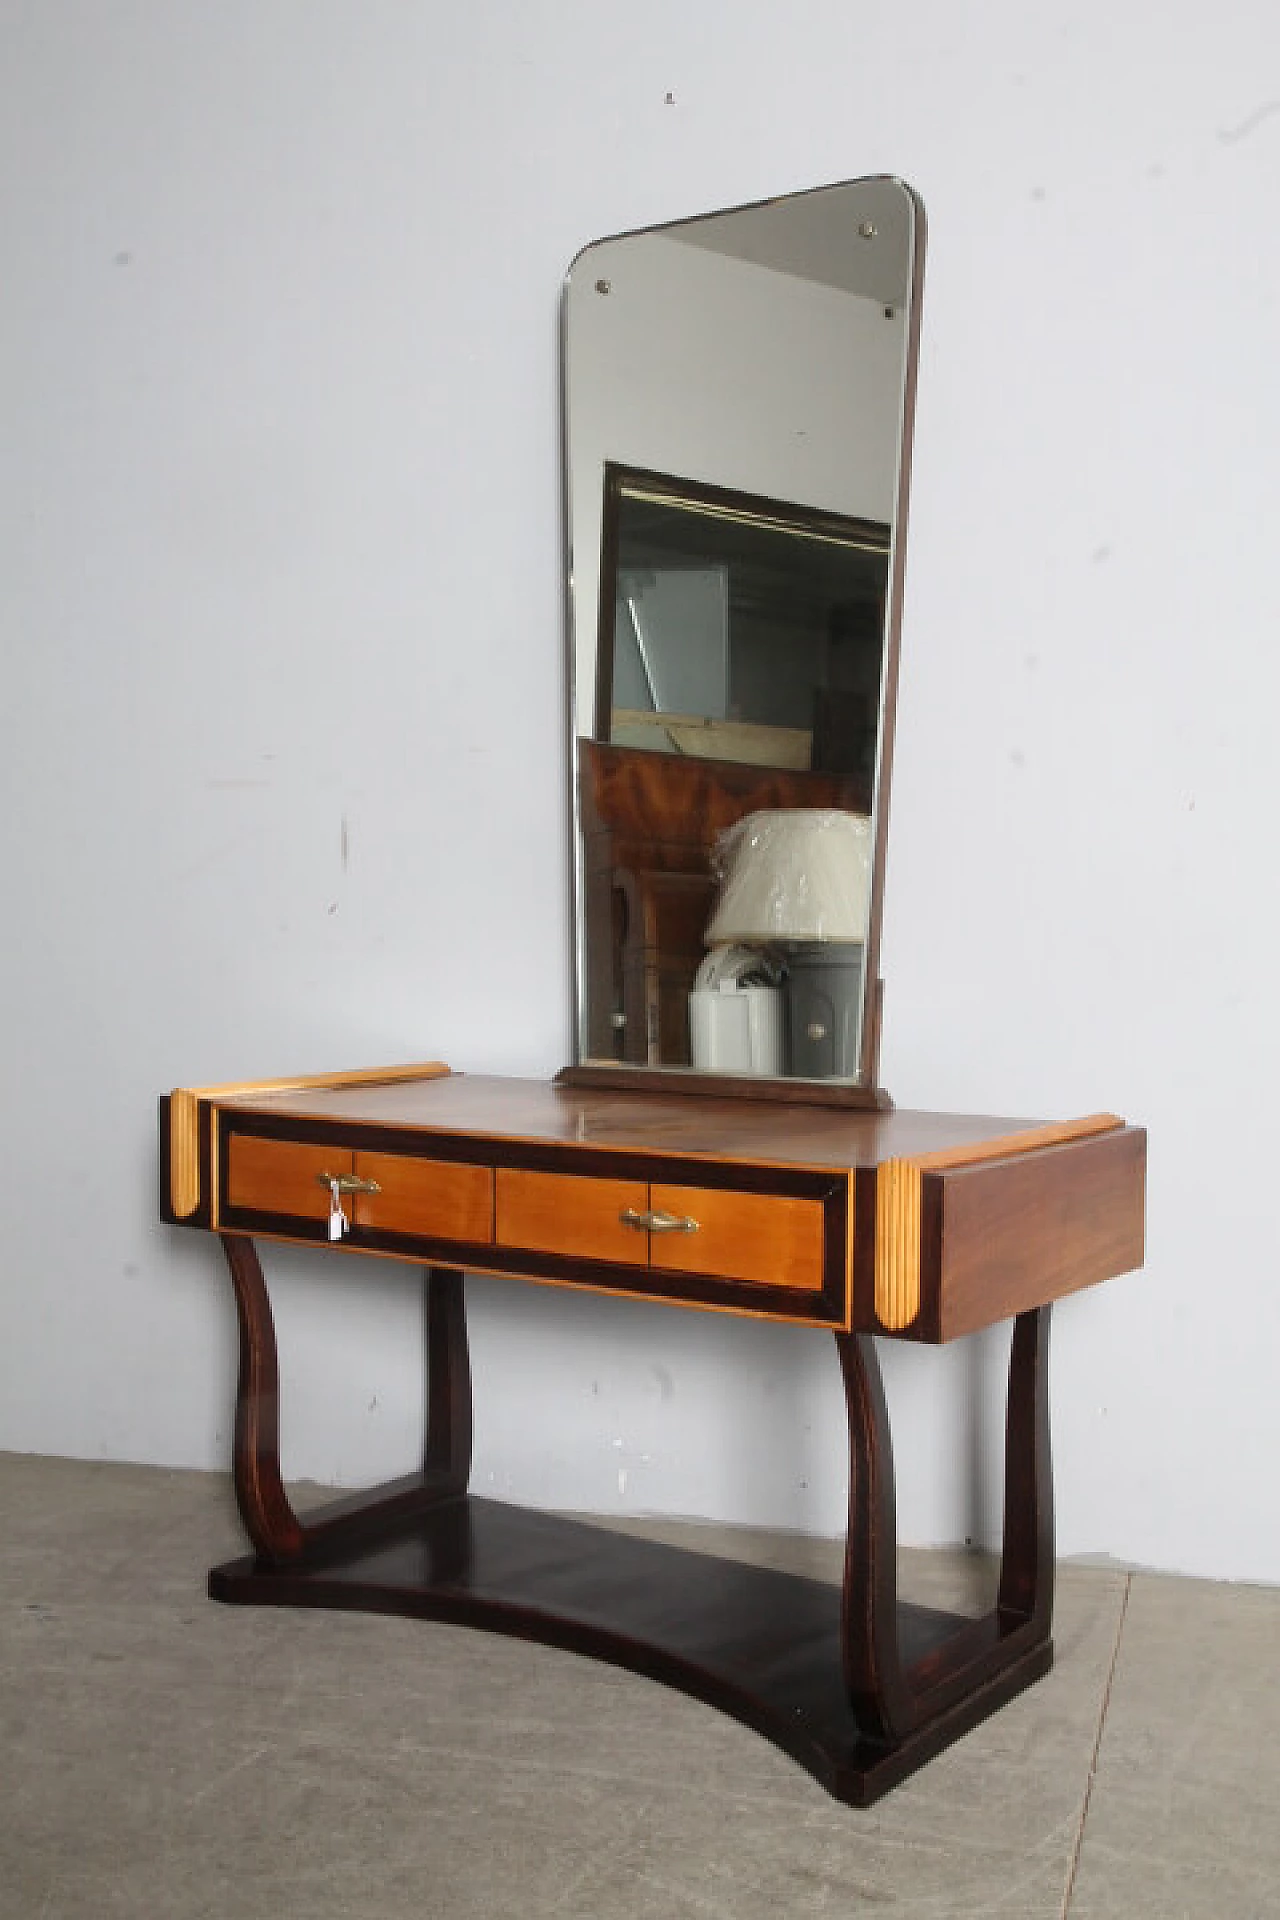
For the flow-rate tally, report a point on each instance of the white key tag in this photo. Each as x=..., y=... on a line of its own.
x=338, y=1221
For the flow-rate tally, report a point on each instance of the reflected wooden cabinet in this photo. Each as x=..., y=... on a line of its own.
x=650, y=822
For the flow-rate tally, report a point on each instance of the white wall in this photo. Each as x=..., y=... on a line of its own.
x=281, y=577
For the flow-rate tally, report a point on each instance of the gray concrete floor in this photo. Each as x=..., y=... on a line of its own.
x=164, y=1756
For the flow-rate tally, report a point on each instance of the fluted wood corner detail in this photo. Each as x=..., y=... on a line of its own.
x=899, y=1184
x=184, y=1152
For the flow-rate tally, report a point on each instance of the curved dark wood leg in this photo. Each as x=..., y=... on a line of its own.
x=869, y=1647
x=269, y=1520
x=1026, y=1567
x=448, y=1455
x=897, y=1700
x=278, y=1535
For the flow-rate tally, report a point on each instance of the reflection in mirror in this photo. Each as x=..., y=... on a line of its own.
x=737, y=407
x=740, y=628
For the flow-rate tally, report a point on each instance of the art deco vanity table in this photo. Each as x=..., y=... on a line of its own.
x=738, y=410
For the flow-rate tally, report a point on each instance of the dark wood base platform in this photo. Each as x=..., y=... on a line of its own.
x=761, y=1645
x=858, y=1688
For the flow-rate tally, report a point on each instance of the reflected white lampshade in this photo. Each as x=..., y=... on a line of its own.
x=793, y=876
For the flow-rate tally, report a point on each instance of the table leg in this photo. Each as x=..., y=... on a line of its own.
x=448, y=1455
x=869, y=1614
x=279, y=1536
x=1027, y=1563
x=896, y=1701
x=269, y=1518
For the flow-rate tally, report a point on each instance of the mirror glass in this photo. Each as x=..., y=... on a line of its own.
x=737, y=416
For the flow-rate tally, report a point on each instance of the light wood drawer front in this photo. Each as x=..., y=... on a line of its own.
x=571, y=1214
x=280, y=1176
x=439, y=1199
x=765, y=1239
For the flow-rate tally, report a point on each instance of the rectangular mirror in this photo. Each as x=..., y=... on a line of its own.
x=738, y=395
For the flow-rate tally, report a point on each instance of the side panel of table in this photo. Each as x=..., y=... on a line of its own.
x=960, y=1246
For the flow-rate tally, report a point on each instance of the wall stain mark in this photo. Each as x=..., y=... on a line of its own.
x=1230, y=135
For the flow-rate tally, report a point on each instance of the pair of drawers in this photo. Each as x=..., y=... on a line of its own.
x=759, y=1239
x=551, y=1223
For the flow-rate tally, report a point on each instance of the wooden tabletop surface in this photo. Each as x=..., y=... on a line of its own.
x=692, y=1124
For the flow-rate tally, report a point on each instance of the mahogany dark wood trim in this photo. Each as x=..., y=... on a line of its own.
x=164, y=1169
x=818, y=1307
x=862, y=1283
x=550, y=1156
x=357, y=1135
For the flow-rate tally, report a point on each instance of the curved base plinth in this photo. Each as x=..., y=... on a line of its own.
x=856, y=1687
x=758, y=1644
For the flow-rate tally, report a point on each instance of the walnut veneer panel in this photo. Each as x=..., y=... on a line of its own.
x=1006, y=1235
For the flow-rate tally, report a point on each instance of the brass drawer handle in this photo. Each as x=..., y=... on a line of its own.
x=347, y=1183
x=657, y=1222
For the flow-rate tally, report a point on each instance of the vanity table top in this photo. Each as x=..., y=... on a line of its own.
x=925, y=1225
x=690, y=1124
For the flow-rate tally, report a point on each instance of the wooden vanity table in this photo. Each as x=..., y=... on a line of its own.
x=738, y=405
x=920, y=1226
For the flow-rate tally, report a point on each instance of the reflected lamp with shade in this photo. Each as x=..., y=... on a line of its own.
x=797, y=883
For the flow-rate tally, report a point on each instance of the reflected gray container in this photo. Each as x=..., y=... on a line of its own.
x=824, y=999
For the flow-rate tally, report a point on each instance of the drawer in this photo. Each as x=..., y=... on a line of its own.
x=571, y=1214
x=772, y=1240
x=763, y=1239
x=281, y=1176
x=436, y=1199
